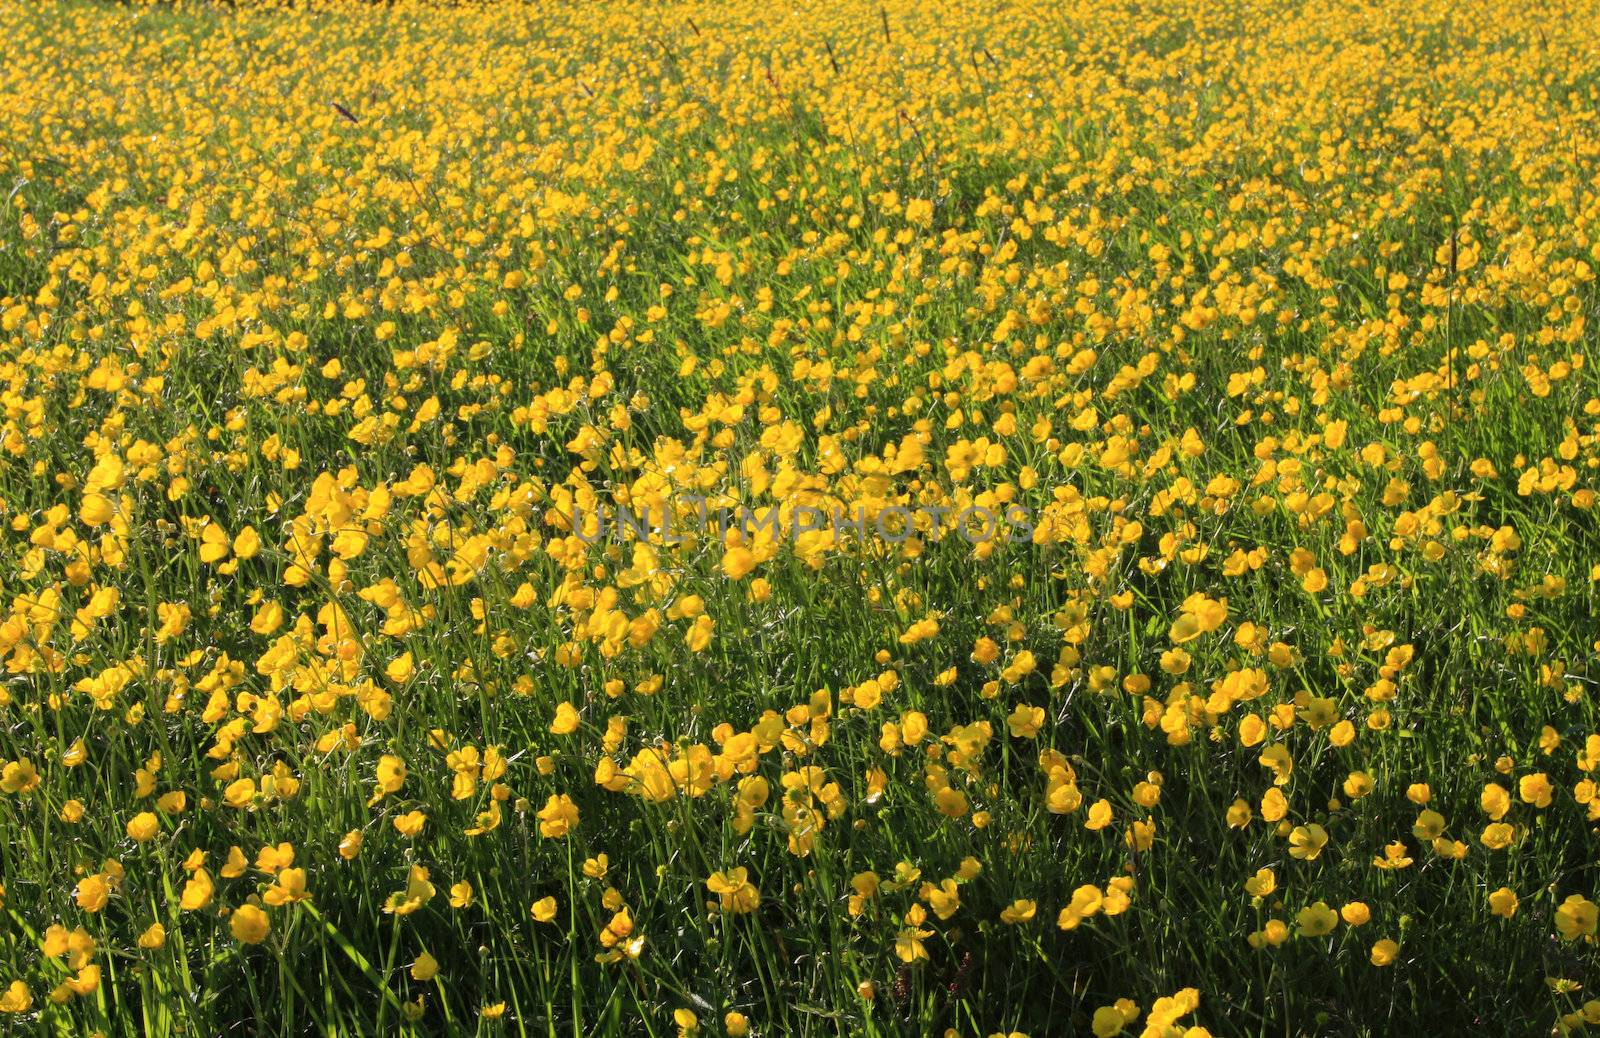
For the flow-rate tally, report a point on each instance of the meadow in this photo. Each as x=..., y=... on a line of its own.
x=333, y=335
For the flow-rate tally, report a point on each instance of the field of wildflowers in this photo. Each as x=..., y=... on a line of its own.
x=1116, y=553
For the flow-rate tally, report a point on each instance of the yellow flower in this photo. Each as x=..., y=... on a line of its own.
x=1536, y=789
x=1394, y=856
x=1262, y=884
x=246, y=543
x=1025, y=721
x=1503, y=902
x=16, y=999
x=1384, y=952
x=737, y=562
x=391, y=773
x=1576, y=917
x=1497, y=836
x=143, y=827
x=400, y=670
x=1108, y=1022
x=1307, y=841
x=249, y=924
x=951, y=802
x=544, y=909
x=1238, y=815
x=558, y=816
x=944, y=899
x=1200, y=616
x=290, y=888
x=1277, y=758
x=271, y=859
x=419, y=891
x=1087, y=901
x=566, y=720
x=1357, y=785
x=1430, y=824
x=1141, y=835
x=1316, y=920
x=240, y=793
x=96, y=510
x=737, y=893
x=197, y=891
x=92, y=893
x=1018, y=912
x=1100, y=815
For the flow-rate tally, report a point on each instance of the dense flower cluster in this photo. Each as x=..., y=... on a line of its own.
x=329, y=331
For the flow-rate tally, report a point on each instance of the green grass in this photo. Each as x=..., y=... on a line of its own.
x=247, y=295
